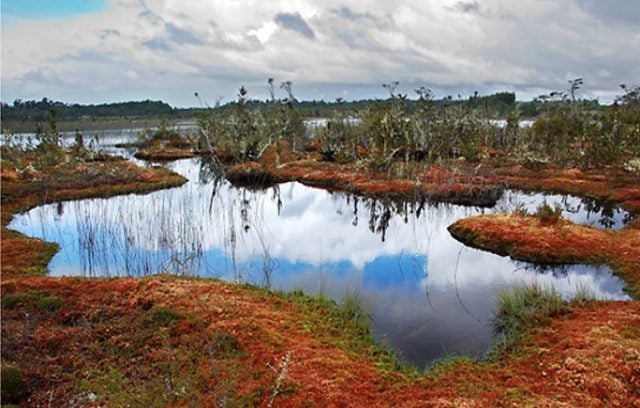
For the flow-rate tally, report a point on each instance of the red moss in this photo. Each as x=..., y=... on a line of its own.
x=585, y=358
x=165, y=154
x=609, y=185
x=529, y=239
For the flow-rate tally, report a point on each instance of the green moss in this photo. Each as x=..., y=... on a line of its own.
x=346, y=326
x=447, y=365
x=224, y=344
x=12, y=384
x=39, y=299
x=163, y=316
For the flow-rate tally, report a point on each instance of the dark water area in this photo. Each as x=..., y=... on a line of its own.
x=428, y=295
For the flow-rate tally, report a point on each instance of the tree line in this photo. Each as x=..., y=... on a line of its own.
x=497, y=105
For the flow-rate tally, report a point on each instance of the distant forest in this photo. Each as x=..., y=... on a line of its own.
x=497, y=105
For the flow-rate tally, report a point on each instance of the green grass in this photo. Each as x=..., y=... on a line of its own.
x=448, y=364
x=347, y=325
x=39, y=299
x=163, y=316
x=521, y=308
x=583, y=295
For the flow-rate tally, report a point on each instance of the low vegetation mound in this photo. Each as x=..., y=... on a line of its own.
x=536, y=239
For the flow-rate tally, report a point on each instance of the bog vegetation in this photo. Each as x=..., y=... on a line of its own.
x=45, y=149
x=394, y=133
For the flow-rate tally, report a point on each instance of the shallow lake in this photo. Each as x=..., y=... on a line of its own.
x=428, y=295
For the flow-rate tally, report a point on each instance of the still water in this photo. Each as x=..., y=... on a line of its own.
x=429, y=296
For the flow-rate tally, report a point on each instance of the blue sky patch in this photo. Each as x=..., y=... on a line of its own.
x=395, y=270
x=43, y=9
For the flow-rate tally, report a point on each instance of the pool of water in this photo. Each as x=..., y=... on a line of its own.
x=429, y=296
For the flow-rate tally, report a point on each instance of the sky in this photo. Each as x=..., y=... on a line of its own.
x=95, y=51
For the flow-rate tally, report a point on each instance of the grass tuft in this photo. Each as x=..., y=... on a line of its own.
x=354, y=309
x=547, y=214
x=521, y=308
x=584, y=294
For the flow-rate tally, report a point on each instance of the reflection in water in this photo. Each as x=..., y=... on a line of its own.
x=429, y=295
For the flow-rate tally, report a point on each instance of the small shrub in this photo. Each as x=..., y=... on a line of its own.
x=13, y=386
x=10, y=300
x=163, y=316
x=547, y=214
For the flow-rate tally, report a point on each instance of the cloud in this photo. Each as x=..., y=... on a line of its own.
x=158, y=44
x=295, y=22
x=109, y=32
x=618, y=12
x=181, y=37
x=351, y=15
x=213, y=47
x=467, y=7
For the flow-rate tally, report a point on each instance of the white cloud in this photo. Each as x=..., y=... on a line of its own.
x=178, y=47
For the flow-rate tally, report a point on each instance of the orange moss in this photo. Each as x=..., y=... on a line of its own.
x=435, y=183
x=588, y=357
x=609, y=185
x=529, y=239
x=24, y=255
x=165, y=154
